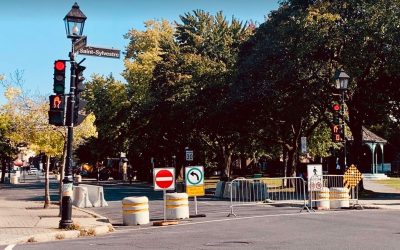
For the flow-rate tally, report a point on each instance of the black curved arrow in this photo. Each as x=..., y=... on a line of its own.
x=194, y=174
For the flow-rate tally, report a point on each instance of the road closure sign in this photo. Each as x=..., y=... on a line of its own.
x=164, y=178
x=314, y=175
x=194, y=179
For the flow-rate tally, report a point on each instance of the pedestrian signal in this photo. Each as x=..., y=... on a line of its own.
x=57, y=110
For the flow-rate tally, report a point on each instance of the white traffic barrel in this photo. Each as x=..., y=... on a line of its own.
x=14, y=179
x=177, y=206
x=323, y=201
x=78, y=178
x=339, y=197
x=135, y=210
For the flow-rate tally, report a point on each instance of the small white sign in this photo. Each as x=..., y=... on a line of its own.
x=189, y=155
x=303, y=145
x=314, y=176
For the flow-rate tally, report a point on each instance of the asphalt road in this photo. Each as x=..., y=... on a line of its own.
x=351, y=229
x=256, y=227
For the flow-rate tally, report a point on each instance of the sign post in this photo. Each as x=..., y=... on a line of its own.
x=164, y=179
x=194, y=177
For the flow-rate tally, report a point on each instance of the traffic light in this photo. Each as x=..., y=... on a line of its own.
x=59, y=77
x=57, y=110
x=336, y=126
x=336, y=113
x=79, y=114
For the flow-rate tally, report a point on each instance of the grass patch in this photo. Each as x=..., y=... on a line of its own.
x=87, y=232
x=392, y=182
x=31, y=240
x=73, y=226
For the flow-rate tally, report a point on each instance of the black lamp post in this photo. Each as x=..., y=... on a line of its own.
x=74, y=23
x=341, y=84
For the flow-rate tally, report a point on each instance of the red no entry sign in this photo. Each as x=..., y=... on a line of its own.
x=164, y=178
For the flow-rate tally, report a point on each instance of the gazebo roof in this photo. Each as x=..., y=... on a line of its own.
x=368, y=136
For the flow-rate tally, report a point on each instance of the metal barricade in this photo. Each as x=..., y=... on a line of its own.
x=334, y=182
x=289, y=190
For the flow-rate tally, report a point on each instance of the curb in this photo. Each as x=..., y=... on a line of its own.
x=95, y=215
x=390, y=207
x=62, y=235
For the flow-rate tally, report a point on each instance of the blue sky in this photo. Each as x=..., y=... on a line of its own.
x=33, y=33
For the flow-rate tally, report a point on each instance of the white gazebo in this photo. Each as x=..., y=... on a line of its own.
x=374, y=143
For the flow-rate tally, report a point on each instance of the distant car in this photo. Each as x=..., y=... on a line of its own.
x=33, y=170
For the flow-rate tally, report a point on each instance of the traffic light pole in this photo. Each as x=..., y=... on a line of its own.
x=344, y=130
x=66, y=210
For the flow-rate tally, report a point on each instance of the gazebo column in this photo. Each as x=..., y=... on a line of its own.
x=373, y=165
x=383, y=161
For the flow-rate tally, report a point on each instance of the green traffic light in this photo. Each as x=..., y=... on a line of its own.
x=59, y=88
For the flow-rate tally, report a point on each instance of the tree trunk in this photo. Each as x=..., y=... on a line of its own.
x=285, y=160
x=227, y=160
x=356, y=149
x=47, y=186
x=3, y=169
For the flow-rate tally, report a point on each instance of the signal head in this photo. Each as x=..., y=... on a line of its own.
x=59, y=65
x=336, y=107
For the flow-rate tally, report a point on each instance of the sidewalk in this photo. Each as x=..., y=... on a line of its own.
x=26, y=221
x=379, y=196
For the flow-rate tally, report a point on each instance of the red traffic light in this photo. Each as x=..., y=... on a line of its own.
x=59, y=65
x=336, y=107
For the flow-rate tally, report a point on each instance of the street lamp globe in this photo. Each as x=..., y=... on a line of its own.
x=74, y=22
x=341, y=80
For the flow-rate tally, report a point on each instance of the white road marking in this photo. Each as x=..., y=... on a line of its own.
x=10, y=247
x=239, y=218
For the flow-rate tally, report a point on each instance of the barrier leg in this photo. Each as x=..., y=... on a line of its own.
x=231, y=213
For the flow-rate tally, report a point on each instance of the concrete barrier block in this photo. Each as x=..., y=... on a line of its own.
x=80, y=197
x=135, y=210
x=219, y=189
x=177, y=206
x=96, y=195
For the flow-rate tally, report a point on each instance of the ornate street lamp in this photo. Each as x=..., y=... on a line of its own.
x=341, y=80
x=341, y=84
x=74, y=22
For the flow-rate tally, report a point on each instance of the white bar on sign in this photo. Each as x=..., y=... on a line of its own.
x=164, y=179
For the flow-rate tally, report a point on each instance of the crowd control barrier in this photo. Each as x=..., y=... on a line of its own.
x=339, y=196
x=80, y=197
x=288, y=190
x=177, y=206
x=135, y=211
x=96, y=195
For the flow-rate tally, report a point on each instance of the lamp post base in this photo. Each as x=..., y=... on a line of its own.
x=66, y=213
x=64, y=224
